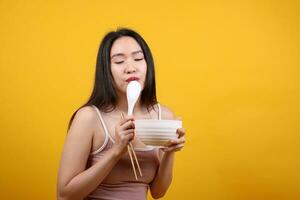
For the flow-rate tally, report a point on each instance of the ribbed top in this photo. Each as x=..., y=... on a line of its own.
x=120, y=183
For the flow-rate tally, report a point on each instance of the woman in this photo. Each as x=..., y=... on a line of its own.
x=95, y=162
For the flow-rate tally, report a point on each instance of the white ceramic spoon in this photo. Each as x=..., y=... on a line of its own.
x=133, y=93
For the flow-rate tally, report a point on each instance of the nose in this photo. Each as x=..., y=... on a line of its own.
x=130, y=68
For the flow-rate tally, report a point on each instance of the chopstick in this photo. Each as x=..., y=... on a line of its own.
x=130, y=148
x=136, y=160
x=132, y=163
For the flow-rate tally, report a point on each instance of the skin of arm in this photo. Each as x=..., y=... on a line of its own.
x=163, y=178
x=74, y=180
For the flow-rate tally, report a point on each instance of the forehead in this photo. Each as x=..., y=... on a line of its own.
x=124, y=44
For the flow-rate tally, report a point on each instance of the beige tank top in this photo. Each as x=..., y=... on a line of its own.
x=120, y=183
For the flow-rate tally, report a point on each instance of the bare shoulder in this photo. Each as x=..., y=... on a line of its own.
x=85, y=118
x=166, y=112
x=86, y=113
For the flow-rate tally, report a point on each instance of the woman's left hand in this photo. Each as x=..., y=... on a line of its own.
x=176, y=144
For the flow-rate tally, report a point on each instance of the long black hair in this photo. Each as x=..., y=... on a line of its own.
x=104, y=94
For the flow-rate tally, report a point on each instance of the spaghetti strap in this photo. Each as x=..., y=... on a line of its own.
x=103, y=124
x=159, y=111
x=105, y=132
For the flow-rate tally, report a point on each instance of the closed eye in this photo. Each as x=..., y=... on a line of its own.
x=119, y=62
x=138, y=59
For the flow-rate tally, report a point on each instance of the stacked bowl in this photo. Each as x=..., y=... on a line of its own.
x=153, y=132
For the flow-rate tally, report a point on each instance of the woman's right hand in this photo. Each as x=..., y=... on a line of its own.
x=124, y=133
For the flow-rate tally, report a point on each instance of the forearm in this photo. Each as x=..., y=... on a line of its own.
x=85, y=182
x=164, y=176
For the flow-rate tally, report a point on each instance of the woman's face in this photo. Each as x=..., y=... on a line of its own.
x=127, y=63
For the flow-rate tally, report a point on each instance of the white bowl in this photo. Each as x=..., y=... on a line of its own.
x=157, y=133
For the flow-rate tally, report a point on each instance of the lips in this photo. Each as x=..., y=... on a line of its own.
x=132, y=79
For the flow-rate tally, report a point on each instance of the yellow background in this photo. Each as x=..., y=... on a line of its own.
x=230, y=69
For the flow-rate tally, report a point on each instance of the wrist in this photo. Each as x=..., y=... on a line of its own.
x=168, y=154
x=117, y=153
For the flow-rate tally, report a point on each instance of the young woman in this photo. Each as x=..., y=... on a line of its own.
x=95, y=163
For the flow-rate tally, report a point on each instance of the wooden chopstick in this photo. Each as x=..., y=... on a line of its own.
x=130, y=148
x=132, y=163
x=136, y=160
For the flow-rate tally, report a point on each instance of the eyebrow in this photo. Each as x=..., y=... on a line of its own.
x=121, y=54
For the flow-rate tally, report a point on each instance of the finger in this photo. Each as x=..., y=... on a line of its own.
x=177, y=141
x=127, y=125
x=176, y=144
x=179, y=146
x=122, y=133
x=125, y=119
x=129, y=137
x=180, y=132
x=128, y=131
x=126, y=136
x=174, y=148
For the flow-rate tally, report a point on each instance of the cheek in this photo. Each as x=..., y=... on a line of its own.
x=115, y=73
x=117, y=78
x=144, y=69
x=144, y=74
